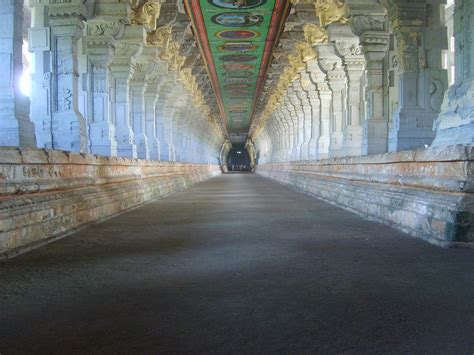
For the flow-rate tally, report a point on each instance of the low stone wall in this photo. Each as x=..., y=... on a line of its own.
x=46, y=194
x=427, y=193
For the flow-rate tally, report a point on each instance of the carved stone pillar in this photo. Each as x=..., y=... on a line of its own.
x=290, y=116
x=69, y=127
x=159, y=117
x=455, y=124
x=40, y=46
x=151, y=97
x=278, y=142
x=127, y=50
x=325, y=98
x=167, y=147
x=331, y=64
x=177, y=128
x=315, y=122
x=348, y=48
x=422, y=81
x=353, y=132
x=287, y=136
x=98, y=44
x=295, y=104
x=374, y=38
x=307, y=116
x=15, y=126
x=138, y=86
x=274, y=136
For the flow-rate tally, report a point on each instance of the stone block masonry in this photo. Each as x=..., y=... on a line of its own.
x=427, y=193
x=46, y=194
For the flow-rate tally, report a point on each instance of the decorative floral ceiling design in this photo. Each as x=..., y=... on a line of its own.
x=237, y=38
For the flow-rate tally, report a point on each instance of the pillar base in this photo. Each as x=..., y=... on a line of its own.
x=17, y=133
x=154, y=145
x=375, y=136
x=167, y=152
x=335, y=149
x=127, y=150
x=143, y=151
x=352, y=141
x=102, y=136
x=304, y=151
x=69, y=132
x=323, y=147
x=411, y=130
x=313, y=149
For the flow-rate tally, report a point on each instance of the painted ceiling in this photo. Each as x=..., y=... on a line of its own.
x=236, y=38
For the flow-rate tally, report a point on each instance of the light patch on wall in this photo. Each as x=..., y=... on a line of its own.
x=25, y=79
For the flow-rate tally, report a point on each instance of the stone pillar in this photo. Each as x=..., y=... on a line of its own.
x=284, y=135
x=167, y=148
x=138, y=85
x=315, y=122
x=98, y=43
x=177, y=129
x=287, y=117
x=274, y=134
x=353, y=133
x=290, y=115
x=40, y=46
x=151, y=98
x=331, y=64
x=325, y=98
x=420, y=39
x=296, y=109
x=122, y=67
x=69, y=127
x=102, y=131
x=455, y=124
x=159, y=112
x=307, y=116
x=374, y=38
x=121, y=75
x=347, y=47
x=16, y=129
x=278, y=130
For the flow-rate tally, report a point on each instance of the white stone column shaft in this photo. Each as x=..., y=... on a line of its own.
x=69, y=127
x=455, y=124
x=16, y=129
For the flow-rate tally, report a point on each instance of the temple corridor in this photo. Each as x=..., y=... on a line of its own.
x=238, y=264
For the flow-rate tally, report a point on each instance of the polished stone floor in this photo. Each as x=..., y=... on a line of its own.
x=238, y=264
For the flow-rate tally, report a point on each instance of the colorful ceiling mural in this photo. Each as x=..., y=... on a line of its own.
x=236, y=38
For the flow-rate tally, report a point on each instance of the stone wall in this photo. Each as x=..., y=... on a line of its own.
x=45, y=194
x=427, y=193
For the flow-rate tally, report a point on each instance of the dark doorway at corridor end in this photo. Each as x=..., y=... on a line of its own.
x=239, y=159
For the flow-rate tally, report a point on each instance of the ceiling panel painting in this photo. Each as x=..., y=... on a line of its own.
x=237, y=38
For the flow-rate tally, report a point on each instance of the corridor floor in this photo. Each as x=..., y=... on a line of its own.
x=238, y=264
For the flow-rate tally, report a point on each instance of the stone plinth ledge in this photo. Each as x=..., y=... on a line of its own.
x=427, y=193
x=47, y=194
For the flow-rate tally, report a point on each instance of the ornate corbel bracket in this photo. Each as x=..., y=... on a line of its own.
x=315, y=34
x=331, y=11
x=145, y=14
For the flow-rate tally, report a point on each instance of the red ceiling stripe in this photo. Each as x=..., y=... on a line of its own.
x=280, y=11
x=197, y=21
